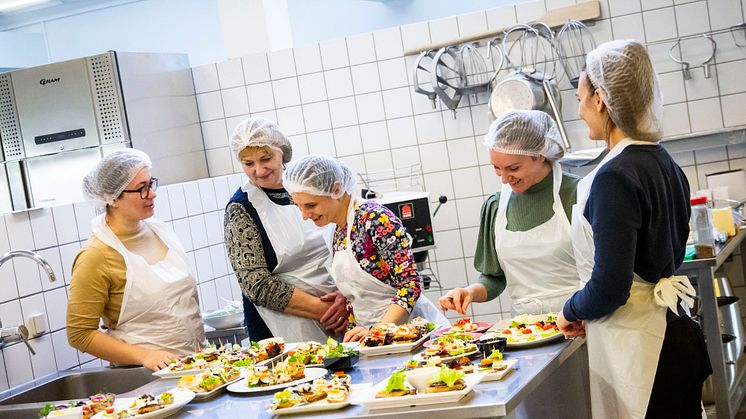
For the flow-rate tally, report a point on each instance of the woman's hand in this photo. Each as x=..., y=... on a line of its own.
x=457, y=299
x=355, y=334
x=335, y=317
x=157, y=360
x=570, y=329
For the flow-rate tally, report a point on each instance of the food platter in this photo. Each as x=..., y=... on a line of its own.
x=418, y=357
x=499, y=375
x=368, y=398
x=181, y=399
x=166, y=373
x=310, y=375
x=526, y=331
x=474, y=337
x=394, y=348
x=481, y=328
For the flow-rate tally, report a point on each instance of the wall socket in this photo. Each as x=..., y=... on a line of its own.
x=36, y=324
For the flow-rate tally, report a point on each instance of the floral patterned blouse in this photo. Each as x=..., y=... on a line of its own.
x=381, y=246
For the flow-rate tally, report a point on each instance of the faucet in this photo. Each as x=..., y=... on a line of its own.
x=33, y=256
x=20, y=332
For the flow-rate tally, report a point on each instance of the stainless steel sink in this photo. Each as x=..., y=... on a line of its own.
x=72, y=385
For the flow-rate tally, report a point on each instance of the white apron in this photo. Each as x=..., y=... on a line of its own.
x=369, y=296
x=302, y=261
x=538, y=264
x=621, y=380
x=160, y=306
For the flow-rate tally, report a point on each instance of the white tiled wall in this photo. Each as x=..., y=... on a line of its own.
x=352, y=98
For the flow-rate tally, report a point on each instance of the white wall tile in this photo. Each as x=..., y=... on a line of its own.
x=308, y=59
x=388, y=43
x=255, y=68
x=453, y=248
x=401, y=131
x=444, y=29
x=462, y=153
x=379, y=161
x=208, y=296
x=472, y=23
x=235, y=101
x=205, y=78
x=218, y=162
x=623, y=7
x=699, y=87
x=480, y=116
x=690, y=18
x=451, y=273
x=162, y=208
x=230, y=73
x=655, y=4
x=356, y=163
x=447, y=217
x=675, y=120
x=406, y=157
x=64, y=222
x=733, y=73
x=65, y=356
x=464, y=182
x=348, y=141
x=684, y=158
x=291, y=120
x=628, y=26
x=370, y=107
x=397, y=102
x=705, y=115
x=223, y=289
x=11, y=314
x=32, y=305
x=181, y=228
x=56, y=308
x=210, y=106
x=198, y=230
x=261, y=97
x=724, y=13
x=321, y=142
x=222, y=192
x=334, y=54
x=429, y=127
x=281, y=64
x=67, y=255
x=393, y=73
x=434, y=157
x=218, y=259
x=365, y=78
x=52, y=256
x=204, y=264
x=300, y=146
x=317, y=116
x=338, y=83
x=704, y=169
x=529, y=10
x=711, y=155
x=360, y=48
x=192, y=199
x=733, y=106
x=468, y=214
x=672, y=85
x=8, y=286
x=312, y=87
x=459, y=127
x=415, y=35
x=19, y=231
x=662, y=62
x=18, y=364
x=501, y=18
x=286, y=92
x=207, y=195
x=375, y=136
x=214, y=227
x=214, y=133
x=42, y=225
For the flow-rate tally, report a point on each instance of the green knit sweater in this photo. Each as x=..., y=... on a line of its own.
x=525, y=211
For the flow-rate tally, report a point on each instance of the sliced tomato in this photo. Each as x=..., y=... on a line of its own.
x=548, y=327
x=507, y=332
x=527, y=331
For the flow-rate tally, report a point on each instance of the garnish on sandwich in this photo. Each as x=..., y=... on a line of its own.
x=396, y=387
x=447, y=380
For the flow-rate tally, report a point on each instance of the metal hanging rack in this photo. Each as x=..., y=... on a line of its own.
x=741, y=27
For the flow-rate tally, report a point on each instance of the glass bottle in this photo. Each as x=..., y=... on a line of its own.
x=704, y=239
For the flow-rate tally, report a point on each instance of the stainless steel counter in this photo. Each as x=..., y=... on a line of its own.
x=549, y=382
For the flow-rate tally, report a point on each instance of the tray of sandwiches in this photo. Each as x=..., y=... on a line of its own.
x=147, y=406
x=209, y=383
x=388, y=338
x=321, y=394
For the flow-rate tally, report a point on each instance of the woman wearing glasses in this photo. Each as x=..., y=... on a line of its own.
x=132, y=273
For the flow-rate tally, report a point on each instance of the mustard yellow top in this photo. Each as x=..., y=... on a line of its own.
x=99, y=276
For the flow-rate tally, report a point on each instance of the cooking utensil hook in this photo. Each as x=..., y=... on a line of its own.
x=684, y=65
x=741, y=27
x=706, y=63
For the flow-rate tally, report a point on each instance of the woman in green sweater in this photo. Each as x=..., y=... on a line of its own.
x=524, y=234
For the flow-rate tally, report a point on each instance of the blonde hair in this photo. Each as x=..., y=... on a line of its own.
x=254, y=149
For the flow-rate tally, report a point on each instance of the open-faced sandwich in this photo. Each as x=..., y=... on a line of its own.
x=208, y=380
x=396, y=386
x=283, y=372
x=389, y=333
x=334, y=390
x=494, y=362
x=447, y=380
x=94, y=404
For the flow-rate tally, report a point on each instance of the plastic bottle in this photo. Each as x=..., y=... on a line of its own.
x=704, y=240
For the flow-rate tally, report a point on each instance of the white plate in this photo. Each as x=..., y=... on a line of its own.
x=394, y=348
x=181, y=398
x=446, y=359
x=318, y=406
x=371, y=402
x=311, y=374
x=505, y=324
x=214, y=392
x=167, y=373
x=498, y=375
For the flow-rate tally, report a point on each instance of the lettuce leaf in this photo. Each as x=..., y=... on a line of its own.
x=496, y=354
x=449, y=376
x=396, y=381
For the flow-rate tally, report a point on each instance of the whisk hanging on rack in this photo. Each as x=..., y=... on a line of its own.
x=573, y=41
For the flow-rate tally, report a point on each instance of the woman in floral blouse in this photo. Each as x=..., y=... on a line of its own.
x=373, y=264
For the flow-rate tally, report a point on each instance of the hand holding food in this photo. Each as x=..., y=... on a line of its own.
x=570, y=329
x=157, y=360
x=457, y=299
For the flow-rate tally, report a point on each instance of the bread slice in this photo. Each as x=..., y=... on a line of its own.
x=395, y=393
x=313, y=396
x=440, y=387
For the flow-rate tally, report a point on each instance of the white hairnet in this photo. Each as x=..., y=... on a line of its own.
x=319, y=175
x=260, y=132
x=527, y=133
x=627, y=82
x=110, y=177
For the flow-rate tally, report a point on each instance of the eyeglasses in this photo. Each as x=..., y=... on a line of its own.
x=144, y=191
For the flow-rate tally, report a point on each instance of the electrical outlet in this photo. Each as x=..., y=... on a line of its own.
x=36, y=324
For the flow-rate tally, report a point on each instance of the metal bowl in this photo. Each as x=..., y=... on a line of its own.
x=227, y=321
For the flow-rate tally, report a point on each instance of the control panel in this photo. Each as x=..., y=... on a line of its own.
x=414, y=211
